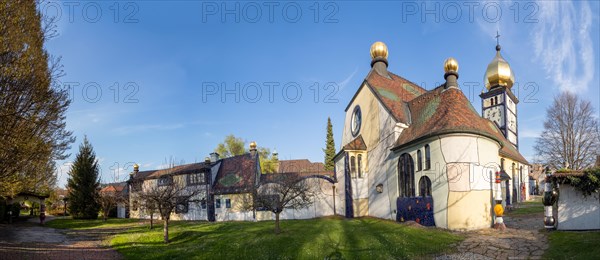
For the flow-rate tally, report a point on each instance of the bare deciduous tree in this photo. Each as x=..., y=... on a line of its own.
x=108, y=199
x=570, y=137
x=281, y=191
x=166, y=194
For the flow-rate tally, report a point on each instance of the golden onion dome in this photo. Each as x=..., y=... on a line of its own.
x=450, y=65
x=379, y=49
x=136, y=166
x=499, y=72
x=252, y=145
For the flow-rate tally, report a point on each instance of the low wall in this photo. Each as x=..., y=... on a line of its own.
x=576, y=212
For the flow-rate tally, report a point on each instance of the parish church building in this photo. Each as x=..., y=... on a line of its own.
x=407, y=154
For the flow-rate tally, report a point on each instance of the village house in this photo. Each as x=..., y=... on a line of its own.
x=224, y=187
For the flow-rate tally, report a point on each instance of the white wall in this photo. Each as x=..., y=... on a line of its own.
x=576, y=212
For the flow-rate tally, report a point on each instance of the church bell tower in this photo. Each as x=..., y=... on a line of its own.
x=498, y=103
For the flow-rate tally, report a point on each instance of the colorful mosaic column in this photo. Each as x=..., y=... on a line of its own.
x=498, y=209
x=550, y=197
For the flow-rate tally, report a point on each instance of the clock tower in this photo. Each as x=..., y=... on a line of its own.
x=498, y=103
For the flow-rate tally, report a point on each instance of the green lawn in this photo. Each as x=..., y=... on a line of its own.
x=90, y=224
x=527, y=207
x=333, y=238
x=573, y=245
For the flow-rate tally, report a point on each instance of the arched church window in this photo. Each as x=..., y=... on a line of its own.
x=496, y=100
x=353, y=166
x=427, y=157
x=406, y=176
x=360, y=172
x=419, y=160
x=424, y=186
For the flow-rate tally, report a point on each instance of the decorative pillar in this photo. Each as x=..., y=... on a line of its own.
x=550, y=197
x=498, y=209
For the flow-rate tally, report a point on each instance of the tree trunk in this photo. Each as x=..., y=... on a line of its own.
x=166, y=230
x=151, y=223
x=277, y=229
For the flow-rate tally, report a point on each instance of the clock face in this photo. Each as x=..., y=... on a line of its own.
x=512, y=122
x=356, y=121
x=495, y=114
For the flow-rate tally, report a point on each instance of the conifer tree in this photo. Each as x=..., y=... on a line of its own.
x=84, y=183
x=329, y=147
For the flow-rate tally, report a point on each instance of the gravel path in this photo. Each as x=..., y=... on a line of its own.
x=524, y=238
x=27, y=240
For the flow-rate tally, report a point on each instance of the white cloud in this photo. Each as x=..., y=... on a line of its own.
x=342, y=84
x=563, y=44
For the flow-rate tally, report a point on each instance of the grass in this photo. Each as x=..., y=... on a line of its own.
x=527, y=208
x=573, y=245
x=79, y=224
x=331, y=238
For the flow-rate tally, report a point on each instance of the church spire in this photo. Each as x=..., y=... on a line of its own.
x=498, y=73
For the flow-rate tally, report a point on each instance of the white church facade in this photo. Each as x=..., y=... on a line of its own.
x=428, y=156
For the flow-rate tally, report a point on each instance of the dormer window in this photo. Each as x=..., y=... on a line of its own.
x=165, y=181
x=195, y=179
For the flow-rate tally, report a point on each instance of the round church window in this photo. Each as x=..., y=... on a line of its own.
x=356, y=121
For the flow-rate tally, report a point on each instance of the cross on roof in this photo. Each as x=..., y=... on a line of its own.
x=497, y=38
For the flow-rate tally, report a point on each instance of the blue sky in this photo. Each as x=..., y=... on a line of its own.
x=162, y=68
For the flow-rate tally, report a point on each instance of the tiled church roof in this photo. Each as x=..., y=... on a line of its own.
x=394, y=92
x=442, y=111
x=357, y=144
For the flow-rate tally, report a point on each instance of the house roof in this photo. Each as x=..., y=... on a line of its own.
x=357, y=144
x=273, y=177
x=114, y=187
x=301, y=165
x=444, y=111
x=236, y=174
x=394, y=92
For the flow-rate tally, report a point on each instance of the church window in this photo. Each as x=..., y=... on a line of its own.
x=424, y=186
x=406, y=178
x=353, y=167
x=419, y=160
x=360, y=171
x=427, y=157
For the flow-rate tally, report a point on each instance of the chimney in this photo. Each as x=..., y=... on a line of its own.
x=214, y=156
x=379, y=54
x=253, y=148
x=276, y=161
x=451, y=73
